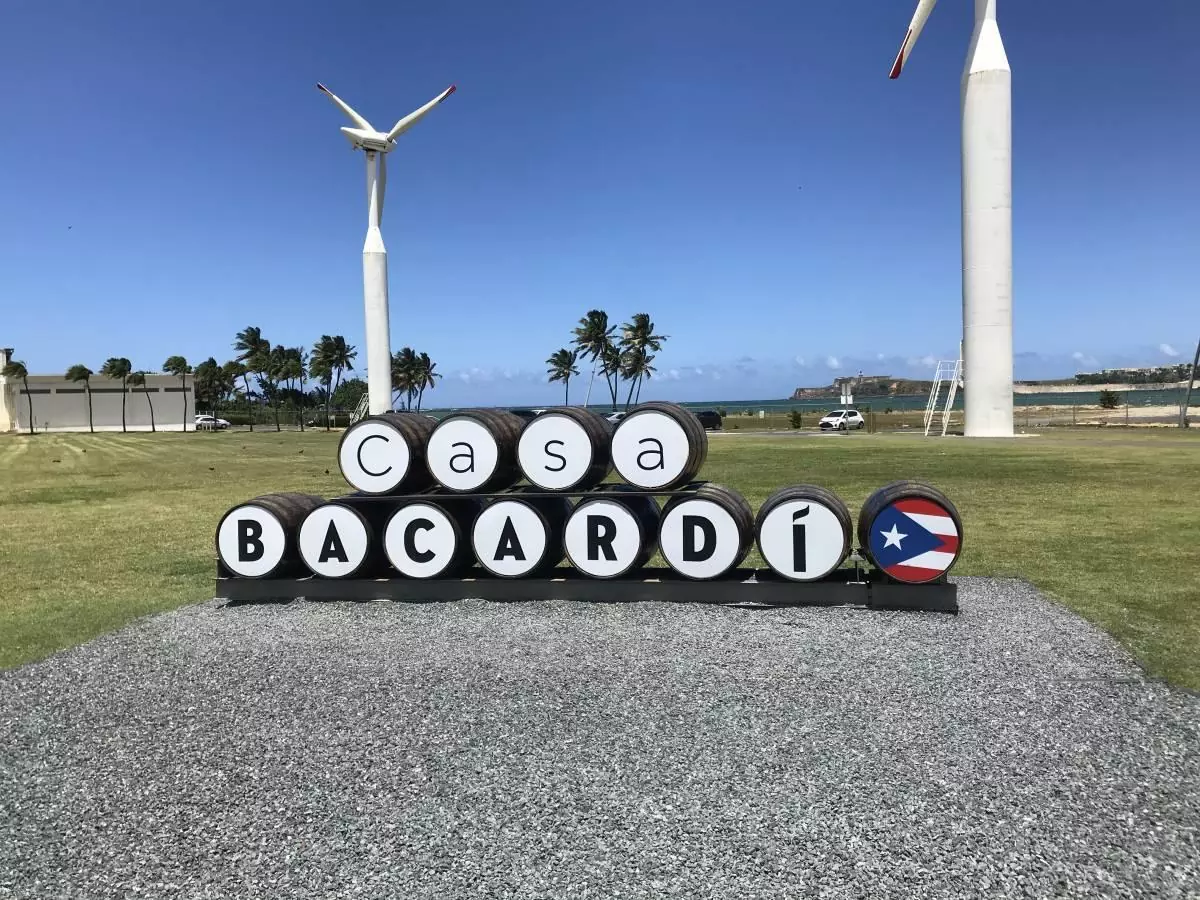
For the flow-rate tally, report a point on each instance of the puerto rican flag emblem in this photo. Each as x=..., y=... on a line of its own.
x=914, y=540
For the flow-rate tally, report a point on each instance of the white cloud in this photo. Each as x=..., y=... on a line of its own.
x=833, y=362
x=879, y=356
x=1168, y=350
x=673, y=374
x=799, y=360
x=928, y=361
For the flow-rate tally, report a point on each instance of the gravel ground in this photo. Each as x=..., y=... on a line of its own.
x=474, y=749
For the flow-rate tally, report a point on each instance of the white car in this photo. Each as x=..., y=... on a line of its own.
x=210, y=423
x=616, y=417
x=842, y=420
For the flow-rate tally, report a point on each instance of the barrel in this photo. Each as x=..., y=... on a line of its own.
x=612, y=531
x=707, y=532
x=257, y=539
x=659, y=446
x=910, y=531
x=343, y=538
x=431, y=538
x=521, y=534
x=385, y=453
x=475, y=450
x=803, y=532
x=565, y=448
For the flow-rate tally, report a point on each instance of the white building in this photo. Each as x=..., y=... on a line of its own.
x=61, y=405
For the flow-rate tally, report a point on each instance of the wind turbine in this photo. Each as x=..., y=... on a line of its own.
x=377, y=145
x=986, y=220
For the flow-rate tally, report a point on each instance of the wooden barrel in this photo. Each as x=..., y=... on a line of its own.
x=517, y=536
x=431, y=538
x=659, y=446
x=258, y=538
x=475, y=450
x=343, y=538
x=565, y=449
x=612, y=531
x=910, y=531
x=707, y=532
x=385, y=453
x=803, y=532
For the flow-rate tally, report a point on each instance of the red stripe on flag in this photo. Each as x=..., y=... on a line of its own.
x=913, y=574
x=949, y=544
x=921, y=507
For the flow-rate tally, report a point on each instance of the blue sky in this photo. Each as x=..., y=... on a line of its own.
x=746, y=173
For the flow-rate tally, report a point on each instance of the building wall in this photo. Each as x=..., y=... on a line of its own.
x=60, y=405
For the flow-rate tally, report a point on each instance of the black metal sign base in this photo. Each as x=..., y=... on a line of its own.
x=845, y=587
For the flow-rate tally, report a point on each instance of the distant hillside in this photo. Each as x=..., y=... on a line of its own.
x=871, y=386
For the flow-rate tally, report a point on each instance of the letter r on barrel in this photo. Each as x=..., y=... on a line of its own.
x=601, y=532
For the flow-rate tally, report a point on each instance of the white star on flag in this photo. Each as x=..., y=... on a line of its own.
x=893, y=538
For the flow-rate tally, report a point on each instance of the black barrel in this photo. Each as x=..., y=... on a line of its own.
x=803, y=532
x=431, y=537
x=700, y=551
x=910, y=531
x=257, y=539
x=597, y=553
x=343, y=538
x=659, y=446
x=566, y=448
x=385, y=453
x=520, y=534
x=475, y=450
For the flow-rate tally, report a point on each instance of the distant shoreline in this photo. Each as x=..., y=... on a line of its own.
x=1094, y=388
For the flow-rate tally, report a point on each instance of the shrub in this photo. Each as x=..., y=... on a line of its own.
x=795, y=419
x=1109, y=399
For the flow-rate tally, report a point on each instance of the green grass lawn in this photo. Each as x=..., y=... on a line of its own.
x=97, y=530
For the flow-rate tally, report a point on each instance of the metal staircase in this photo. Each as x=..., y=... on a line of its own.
x=360, y=411
x=951, y=372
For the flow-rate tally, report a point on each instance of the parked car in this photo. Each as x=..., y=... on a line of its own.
x=527, y=414
x=710, y=419
x=206, y=422
x=842, y=420
x=615, y=417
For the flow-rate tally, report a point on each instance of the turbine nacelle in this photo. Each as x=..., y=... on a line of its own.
x=363, y=135
x=361, y=139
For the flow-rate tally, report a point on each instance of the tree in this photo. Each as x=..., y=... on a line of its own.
x=404, y=374
x=349, y=393
x=426, y=376
x=1109, y=399
x=230, y=372
x=330, y=357
x=16, y=369
x=209, y=380
x=610, y=365
x=118, y=367
x=298, y=363
x=637, y=341
x=562, y=367
x=138, y=379
x=178, y=366
x=254, y=351
x=82, y=373
x=593, y=337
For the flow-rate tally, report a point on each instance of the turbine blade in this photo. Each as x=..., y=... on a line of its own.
x=382, y=183
x=416, y=115
x=924, y=8
x=359, y=121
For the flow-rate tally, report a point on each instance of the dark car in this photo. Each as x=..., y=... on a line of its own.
x=710, y=419
x=527, y=414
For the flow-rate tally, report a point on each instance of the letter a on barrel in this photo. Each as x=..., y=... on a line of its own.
x=659, y=446
x=335, y=541
x=511, y=539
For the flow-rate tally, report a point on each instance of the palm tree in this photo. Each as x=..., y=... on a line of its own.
x=426, y=376
x=562, y=367
x=82, y=373
x=16, y=369
x=593, y=336
x=118, y=367
x=610, y=365
x=138, y=379
x=330, y=357
x=178, y=366
x=637, y=340
x=298, y=370
x=254, y=351
x=405, y=374
x=231, y=372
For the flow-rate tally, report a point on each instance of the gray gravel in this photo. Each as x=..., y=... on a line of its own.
x=528, y=750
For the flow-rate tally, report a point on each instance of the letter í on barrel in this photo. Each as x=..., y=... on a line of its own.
x=475, y=450
x=385, y=454
x=911, y=531
x=565, y=448
x=803, y=532
x=706, y=533
x=659, y=446
x=258, y=538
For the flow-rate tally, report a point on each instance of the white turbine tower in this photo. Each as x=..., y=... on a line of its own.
x=378, y=144
x=986, y=220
